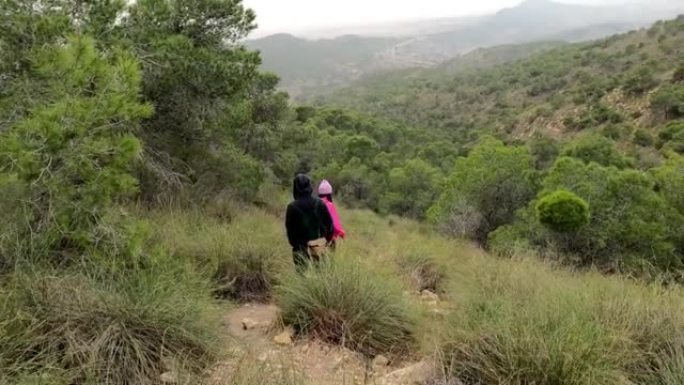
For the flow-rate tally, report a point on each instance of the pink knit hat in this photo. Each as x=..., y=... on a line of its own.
x=325, y=188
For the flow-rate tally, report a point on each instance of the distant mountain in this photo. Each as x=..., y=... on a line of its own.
x=615, y=87
x=313, y=67
x=308, y=66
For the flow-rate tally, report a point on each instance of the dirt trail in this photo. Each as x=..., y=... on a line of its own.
x=261, y=352
x=251, y=329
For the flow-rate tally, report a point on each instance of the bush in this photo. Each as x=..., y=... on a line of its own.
x=596, y=148
x=629, y=220
x=486, y=188
x=75, y=149
x=643, y=138
x=341, y=302
x=425, y=269
x=521, y=323
x=640, y=80
x=563, y=211
x=110, y=324
x=669, y=101
x=671, y=137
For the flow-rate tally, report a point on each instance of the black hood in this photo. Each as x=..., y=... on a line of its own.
x=302, y=186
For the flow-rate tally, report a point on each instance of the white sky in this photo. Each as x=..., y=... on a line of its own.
x=300, y=15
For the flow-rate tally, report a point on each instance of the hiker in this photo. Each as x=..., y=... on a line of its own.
x=308, y=223
x=325, y=193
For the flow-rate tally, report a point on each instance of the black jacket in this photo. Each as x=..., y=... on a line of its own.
x=307, y=218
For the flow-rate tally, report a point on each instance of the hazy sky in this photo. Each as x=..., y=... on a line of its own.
x=300, y=15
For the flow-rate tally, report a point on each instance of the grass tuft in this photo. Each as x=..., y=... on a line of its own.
x=523, y=323
x=341, y=302
x=114, y=325
x=244, y=257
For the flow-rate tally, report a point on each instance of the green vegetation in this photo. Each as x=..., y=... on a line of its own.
x=143, y=159
x=587, y=102
x=485, y=190
x=341, y=302
x=519, y=324
x=242, y=257
x=563, y=211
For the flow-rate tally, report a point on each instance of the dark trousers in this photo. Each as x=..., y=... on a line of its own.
x=301, y=260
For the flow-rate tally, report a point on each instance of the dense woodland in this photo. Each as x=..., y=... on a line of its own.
x=601, y=120
x=110, y=111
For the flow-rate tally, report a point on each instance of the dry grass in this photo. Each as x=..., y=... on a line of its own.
x=121, y=327
x=243, y=256
x=340, y=302
x=512, y=321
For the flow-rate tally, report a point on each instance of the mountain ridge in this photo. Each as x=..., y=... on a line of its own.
x=311, y=67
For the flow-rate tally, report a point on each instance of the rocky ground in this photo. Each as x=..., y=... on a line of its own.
x=262, y=349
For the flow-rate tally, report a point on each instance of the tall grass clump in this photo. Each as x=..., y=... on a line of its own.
x=106, y=323
x=424, y=263
x=519, y=322
x=243, y=257
x=343, y=302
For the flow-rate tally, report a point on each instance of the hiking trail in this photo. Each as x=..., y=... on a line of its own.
x=262, y=348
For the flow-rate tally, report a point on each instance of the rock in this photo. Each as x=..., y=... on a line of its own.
x=420, y=373
x=168, y=378
x=428, y=296
x=249, y=324
x=284, y=338
x=263, y=357
x=380, y=361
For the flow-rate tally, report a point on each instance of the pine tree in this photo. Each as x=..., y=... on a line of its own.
x=75, y=148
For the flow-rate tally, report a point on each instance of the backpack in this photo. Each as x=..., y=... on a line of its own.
x=317, y=247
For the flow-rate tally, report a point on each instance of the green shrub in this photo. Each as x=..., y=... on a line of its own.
x=640, y=80
x=643, y=138
x=521, y=323
x=545, y=151
x=612, y=131
x=411, y=189
x=509, y=241
x=108, y=323
x=426, y=271
x=563, y=211
x=628, y=218
x=485, y=189
x=669, y=101
x=342, y=302
x=75, y=149
x=596, y=148
x=671, y=137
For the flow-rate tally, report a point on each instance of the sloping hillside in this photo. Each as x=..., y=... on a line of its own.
x=615, y=85
x=312, y=67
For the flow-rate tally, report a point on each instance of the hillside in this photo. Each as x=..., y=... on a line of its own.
x=312, y=67
x=606, y=85
x=512, y=217
x=305, y=65
x=469, y=317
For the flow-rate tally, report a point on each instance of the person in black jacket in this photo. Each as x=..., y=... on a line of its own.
x=307, y=219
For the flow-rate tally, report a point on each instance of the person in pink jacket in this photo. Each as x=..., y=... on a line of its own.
x=325, y=192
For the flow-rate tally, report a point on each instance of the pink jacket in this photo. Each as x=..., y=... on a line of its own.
x=338, y=231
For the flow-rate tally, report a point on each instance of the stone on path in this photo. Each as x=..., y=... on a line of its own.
x=380, y=361
x=427, y=295
x=284, y=338
x=420, y=373
x=168, y=378
x=249, y=324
